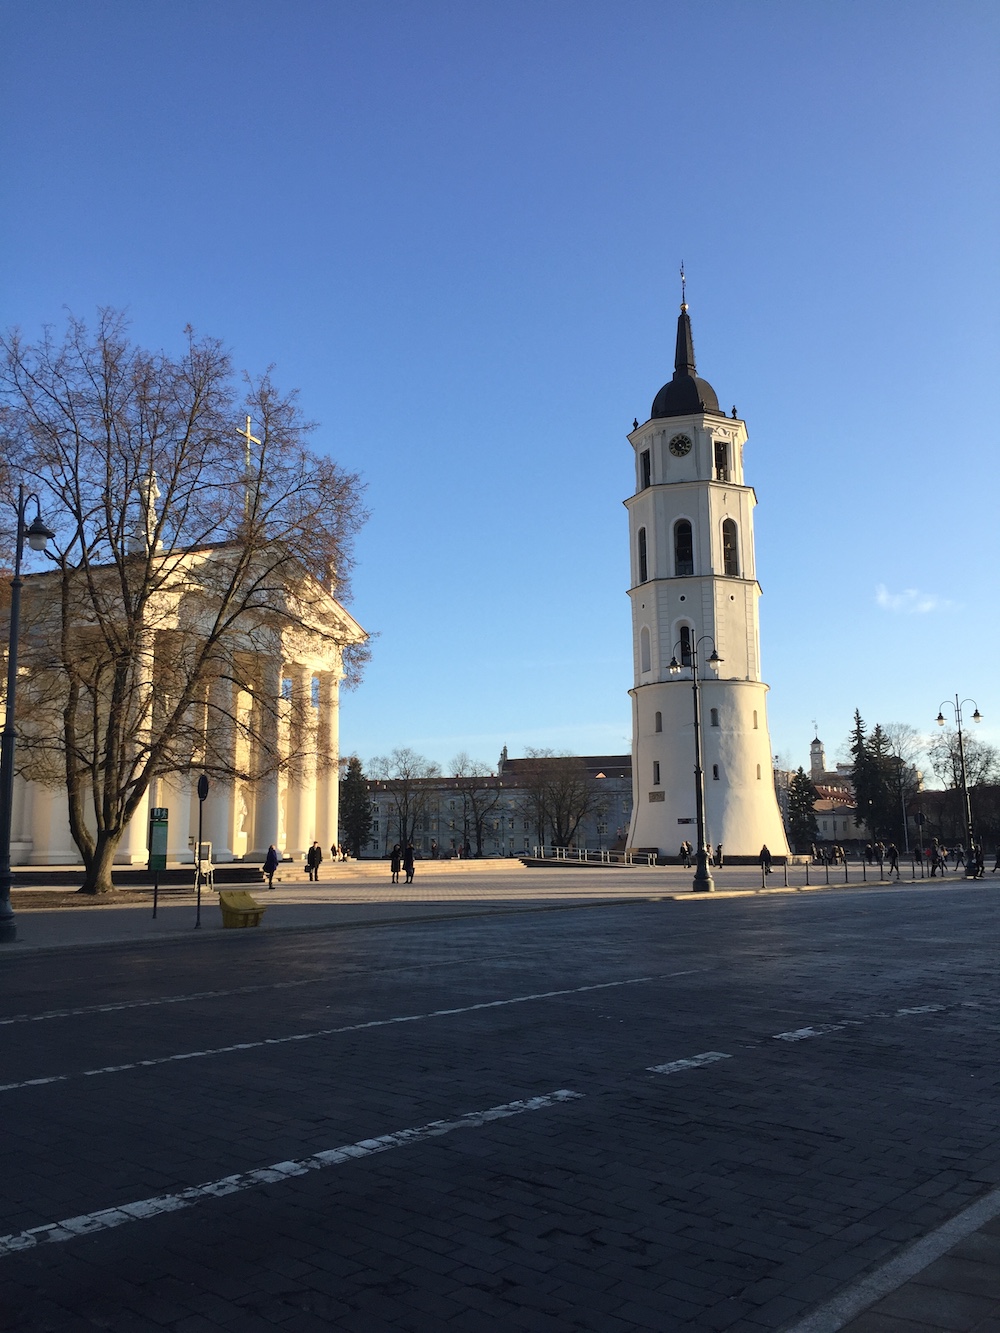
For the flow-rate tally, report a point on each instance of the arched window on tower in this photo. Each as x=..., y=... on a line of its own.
x=730, y=548
x=643, y=564
x=645, y=663
x=685, y=645
x=683, y=548
x=658, y=722
x=755, y=719
x=715, y=717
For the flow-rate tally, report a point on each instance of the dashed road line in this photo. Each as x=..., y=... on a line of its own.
x=692, y=1062
x=334, y=1032
x=821, y=1029
x=104, y=1219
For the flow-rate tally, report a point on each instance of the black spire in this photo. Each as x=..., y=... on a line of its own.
x=685, y=394
x=684, y=355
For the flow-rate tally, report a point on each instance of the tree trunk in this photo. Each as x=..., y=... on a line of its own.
x=97, y=876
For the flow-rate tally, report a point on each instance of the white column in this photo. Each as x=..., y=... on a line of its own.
x=176, y=796
x=302, y=779
x=328, y=755
x=133, y=849
x=217, y=817
x=265, y=815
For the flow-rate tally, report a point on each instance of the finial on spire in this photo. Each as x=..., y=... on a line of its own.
x=683, y=288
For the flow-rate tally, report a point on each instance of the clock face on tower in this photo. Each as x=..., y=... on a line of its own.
x=679, y=446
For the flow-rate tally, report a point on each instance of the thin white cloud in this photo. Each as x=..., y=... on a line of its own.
x=911, y=601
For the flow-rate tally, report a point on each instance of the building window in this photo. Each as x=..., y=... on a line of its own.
x=683, y=548
x=721, y=460
x=643, y=566
x=715, y=772
x=685, y=645
x=755, y=719
x=644, y=470
x=645, y=663
x=658, y=722
x=656, y=772
x=715, y=717
x=758, y=772
x=730, y=553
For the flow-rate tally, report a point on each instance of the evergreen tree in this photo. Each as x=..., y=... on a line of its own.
x=875, y=779
x=802, y=796
x=355, y=807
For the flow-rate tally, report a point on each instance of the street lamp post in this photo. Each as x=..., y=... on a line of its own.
x=970, y=835
x=703, y=882
x=37, y=535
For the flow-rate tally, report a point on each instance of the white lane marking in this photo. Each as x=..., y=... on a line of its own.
x=106, y=1218
x=332, y=1032
x=821, y=1029
x=692, y=1062
x=160, y=999
x=802, y=1034
x=117, y=1005
x=834, y=1314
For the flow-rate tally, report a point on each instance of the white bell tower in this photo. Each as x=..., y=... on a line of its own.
x=694, y=591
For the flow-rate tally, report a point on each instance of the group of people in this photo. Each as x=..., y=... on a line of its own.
x=401, y=858
x=314, y=859
x=716, y=858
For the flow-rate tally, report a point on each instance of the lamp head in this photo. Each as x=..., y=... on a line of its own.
x=977, y=716
x=940, y=719
x=715, y=659
x=674, y=666
x=38, y=534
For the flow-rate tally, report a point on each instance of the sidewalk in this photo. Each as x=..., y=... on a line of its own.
x=360, y=893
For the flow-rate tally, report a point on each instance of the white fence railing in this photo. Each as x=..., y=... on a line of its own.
x=595, y=857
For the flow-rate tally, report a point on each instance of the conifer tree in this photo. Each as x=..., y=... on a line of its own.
x=802, y=796
x=355, y=807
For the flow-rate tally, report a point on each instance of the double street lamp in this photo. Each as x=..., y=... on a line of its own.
x=703, y=882
x=37, y=534
x=970, y=836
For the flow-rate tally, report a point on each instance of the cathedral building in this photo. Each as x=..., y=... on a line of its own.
x=694, y=595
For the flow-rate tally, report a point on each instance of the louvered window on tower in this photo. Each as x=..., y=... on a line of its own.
x=644, y=469
x=685, y=645
x=730, y=551
x=643, y=564
x=683, y=548
x=721, y=460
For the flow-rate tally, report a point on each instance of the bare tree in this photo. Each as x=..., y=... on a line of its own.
x=557, y=794
x=405, y=774
x=982, y=760
x=480, y=792
x=185, y=553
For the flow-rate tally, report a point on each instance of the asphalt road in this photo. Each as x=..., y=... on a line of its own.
x=462, y=1125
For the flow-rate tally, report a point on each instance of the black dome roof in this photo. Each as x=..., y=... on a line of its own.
x=685, y=393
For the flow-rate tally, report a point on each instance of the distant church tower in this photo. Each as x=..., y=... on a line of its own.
x=693, y=574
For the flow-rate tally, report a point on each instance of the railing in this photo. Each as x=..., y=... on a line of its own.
x=589, y=856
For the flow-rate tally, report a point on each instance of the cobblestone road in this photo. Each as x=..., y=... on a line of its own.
x=669, y=1116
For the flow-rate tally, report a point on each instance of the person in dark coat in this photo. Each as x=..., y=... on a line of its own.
x=271, y=863
x=314, y=859
x=408, y=862
x=765, y=859
x=394, y=861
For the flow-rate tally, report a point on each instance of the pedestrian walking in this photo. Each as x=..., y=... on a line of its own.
x=271, y=862
x=765, y=859
x=314, y=859
x=408, y=862
x=892, y=855
x=718, y=855
x=686, y=853
x=394, y=862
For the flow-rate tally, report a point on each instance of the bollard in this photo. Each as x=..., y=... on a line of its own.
x=786, y=872
x=826, y=867
x=807, y=872
x=864, y=870
x=846, y=881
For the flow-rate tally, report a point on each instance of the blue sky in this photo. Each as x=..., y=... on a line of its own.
x=456, y=229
